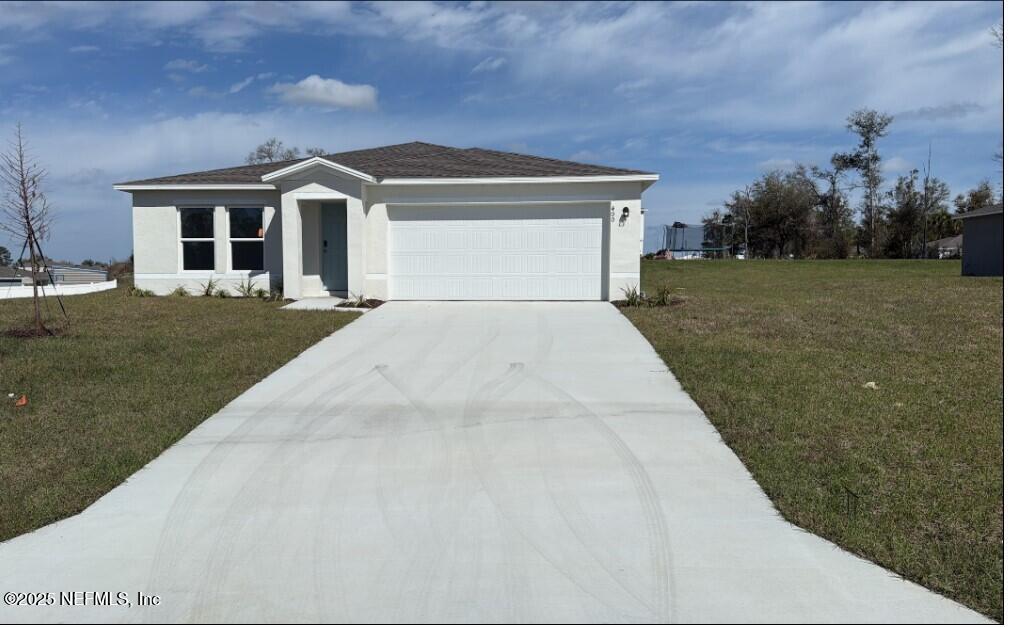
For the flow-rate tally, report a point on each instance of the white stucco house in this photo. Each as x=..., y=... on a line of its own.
x=410, y=221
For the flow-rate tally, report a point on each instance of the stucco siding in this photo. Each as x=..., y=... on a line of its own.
x=292, y=228
x=156, y=261
x=155, y=240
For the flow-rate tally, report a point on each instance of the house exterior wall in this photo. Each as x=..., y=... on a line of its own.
x=983, y=246
x=292, y=229
x=157, y=265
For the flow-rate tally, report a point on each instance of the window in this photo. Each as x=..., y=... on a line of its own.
x=197, y=229
x=245, y=232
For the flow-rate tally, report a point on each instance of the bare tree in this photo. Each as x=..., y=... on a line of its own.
x=315, y=152
x=270, y=151
x=24, y=210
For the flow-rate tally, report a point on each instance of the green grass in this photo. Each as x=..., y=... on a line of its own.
x=777, y=354
x=128, y=377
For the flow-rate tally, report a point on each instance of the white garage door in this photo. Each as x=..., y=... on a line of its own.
x=496, y=253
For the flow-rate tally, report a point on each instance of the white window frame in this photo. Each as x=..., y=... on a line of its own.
x=227, y=227
x=213, y=239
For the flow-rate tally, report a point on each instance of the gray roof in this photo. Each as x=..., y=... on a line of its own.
x=412, y=160
x=977, y=213
x=947, y=242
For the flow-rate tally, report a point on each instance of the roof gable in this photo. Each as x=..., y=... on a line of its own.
x=415, y=160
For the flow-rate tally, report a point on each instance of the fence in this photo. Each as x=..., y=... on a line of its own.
x=690, y=241
x=26, y=291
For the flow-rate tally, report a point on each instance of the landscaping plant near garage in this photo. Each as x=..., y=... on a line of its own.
x=864, y=396
x=126, y=379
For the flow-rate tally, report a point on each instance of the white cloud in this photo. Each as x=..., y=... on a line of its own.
x=770, y=165
x=633, y=88
x=185, y=65
x=83, y=49
x=327, y=92
x=242, y=84
x=586, y=156
x=896, y=165
x=489, y=64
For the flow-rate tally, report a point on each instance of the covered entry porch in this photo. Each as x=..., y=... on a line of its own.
x=318, y=242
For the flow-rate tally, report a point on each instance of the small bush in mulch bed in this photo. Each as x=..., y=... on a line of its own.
x=663, y=298
x=359, y=302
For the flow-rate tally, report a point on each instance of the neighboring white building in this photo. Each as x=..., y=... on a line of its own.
x=406, y=222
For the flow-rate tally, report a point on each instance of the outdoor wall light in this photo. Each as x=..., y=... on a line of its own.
x=626, y=212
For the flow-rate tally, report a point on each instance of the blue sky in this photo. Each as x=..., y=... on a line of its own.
x=708, y=95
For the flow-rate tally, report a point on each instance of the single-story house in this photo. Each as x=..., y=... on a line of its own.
x=411, y=221
x=983, y=251
x=946, y=247
x=76, y=275
x=9, y=276
x=62, y=274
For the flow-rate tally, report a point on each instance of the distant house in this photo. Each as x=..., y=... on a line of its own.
x=76, y=275
x=947, y=247
x=64, y=275
x=983, y=252
x=9, y=276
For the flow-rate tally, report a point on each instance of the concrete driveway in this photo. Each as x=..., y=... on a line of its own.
x=456, y=462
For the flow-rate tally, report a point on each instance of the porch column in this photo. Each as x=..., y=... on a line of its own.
x=291, y=226
x=355, y=246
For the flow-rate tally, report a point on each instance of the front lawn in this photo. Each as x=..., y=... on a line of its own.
x=779, y=354
x=128, y=377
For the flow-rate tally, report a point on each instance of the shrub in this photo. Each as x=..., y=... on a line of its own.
x=222, y=293
x=632, y=297
x=209, y=288
x=139, y=292
x=260, y=293
x=275, y=295
x=246, y=288
x=180, y=291
x=357, y=301
x=663, y=297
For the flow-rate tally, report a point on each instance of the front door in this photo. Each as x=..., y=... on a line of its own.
x=334, y=247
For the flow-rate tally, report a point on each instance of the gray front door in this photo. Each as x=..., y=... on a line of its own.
x=334, y=247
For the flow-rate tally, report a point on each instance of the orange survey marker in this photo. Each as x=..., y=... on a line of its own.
x=22, y=401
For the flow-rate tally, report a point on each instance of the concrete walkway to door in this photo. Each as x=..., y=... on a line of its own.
x=456, y=462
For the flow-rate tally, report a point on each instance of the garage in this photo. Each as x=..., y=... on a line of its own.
x=496, y=252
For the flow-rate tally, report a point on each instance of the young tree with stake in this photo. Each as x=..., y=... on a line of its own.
x=24, y=210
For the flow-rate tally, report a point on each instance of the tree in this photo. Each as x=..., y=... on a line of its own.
x=775, y=214
x=270, y=151
x=913, y=215
x=5, y=257
x=870, y=126
x=24, y=210
x=834, y=225
x=740, y=208
x=315, y=152
x=977, y=198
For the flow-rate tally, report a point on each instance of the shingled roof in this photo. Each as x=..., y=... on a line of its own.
x=412, y=160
